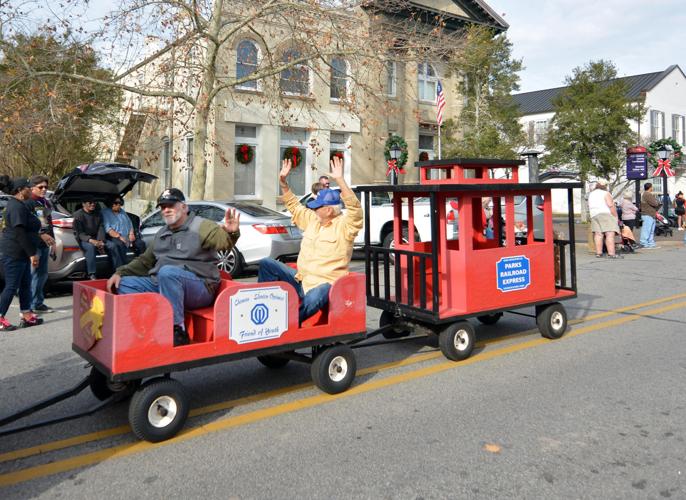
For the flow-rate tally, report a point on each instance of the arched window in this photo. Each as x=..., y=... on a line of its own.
x=426, y=80
x=339, y=78
x=295, y=79
x=247, y=59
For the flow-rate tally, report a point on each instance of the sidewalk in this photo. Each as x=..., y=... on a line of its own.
x=581, y=233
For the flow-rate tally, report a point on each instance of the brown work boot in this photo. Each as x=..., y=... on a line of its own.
x=180, y=336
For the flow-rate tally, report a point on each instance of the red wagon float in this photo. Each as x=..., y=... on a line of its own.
x=471, y=267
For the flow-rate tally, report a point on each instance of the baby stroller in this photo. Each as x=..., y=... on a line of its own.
x=628, y=241
x=662, y=226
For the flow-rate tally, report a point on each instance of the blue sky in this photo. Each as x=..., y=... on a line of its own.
x=555, y=36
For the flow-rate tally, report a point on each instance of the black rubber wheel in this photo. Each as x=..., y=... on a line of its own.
x=103, y=388
x=158, y=410
x=457, y=341
x=490, y=319
x=333, y=369
x=273, y=362
x=551, y=320
x=388, y=318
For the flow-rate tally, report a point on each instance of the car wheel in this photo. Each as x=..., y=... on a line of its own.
x=230, y=261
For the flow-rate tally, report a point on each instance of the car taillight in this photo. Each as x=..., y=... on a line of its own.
x=271, y=228
x=66, y=223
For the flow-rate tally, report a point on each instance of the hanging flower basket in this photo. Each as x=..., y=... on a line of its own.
x=396, y=140
x=294, y=154
x=654, y=147
x=245, y=153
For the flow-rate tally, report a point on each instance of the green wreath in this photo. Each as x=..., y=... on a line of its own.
x=337, y=154
x=400, y=142
x=244, y=153
x=294, y=154
x=655, y=146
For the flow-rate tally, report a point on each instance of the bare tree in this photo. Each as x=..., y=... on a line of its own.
x=178, y=56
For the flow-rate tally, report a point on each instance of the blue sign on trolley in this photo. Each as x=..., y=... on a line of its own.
x=513, y=273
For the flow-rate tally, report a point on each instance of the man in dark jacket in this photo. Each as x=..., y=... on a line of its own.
x=42, y=208
x=89, y=232
x=649, y=206
x=181, y=262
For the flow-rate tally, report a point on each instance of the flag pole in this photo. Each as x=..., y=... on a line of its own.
x=439, y=141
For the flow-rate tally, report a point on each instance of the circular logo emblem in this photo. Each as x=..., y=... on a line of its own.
x=259, y=314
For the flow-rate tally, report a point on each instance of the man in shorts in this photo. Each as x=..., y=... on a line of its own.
x=603, y=219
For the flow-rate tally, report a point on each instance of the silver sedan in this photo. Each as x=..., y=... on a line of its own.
x=264, y=233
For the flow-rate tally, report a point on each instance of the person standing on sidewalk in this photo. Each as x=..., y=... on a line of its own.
x=18, y=250
x=679, y=210
x=603, y=219
x=649, y=206
x=629, y=212
x=41, y=207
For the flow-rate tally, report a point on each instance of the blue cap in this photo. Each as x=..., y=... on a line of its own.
x=325, y=197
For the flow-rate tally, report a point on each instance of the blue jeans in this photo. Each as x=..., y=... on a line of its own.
x=116, y=249
x=647, y=231
x=39, y=276
x=310, y=302
x=183, y=289
x=17, y=276
x=89, y=251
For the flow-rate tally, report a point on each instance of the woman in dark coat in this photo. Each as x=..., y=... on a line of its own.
x=18, y=252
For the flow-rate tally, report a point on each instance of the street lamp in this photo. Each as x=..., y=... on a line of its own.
x=531, y=156
x=395, y=153
x=663, y=154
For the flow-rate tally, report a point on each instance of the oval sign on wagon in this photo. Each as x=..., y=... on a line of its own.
x=258, y=314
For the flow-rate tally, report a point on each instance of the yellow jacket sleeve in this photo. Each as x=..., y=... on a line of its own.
x=302, y=217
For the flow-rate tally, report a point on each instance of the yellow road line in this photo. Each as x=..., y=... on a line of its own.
x=227, y=405
x=280, y=409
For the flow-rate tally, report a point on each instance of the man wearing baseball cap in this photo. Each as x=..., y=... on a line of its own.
x=181, y=262
x=327, y=244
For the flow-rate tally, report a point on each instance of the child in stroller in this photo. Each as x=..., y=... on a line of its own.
x=662, y=226
x=628, y=241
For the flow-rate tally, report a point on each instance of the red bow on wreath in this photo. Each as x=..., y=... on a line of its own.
x=244, y=151
x=393, y=167
x=295, y=152
x=664, y=166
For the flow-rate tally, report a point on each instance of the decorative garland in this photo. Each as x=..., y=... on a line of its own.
x=657, y=145
x=294, y=154
x=400, y=142
x=423, y=156
x=245, y=153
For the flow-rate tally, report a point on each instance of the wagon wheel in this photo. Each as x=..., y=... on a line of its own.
x=102, y=388
x=457, y=340
x=490, y=319
x=551, y=320
x=388, y=318
x=333, y=369
x=158, y=410
x=273, y=362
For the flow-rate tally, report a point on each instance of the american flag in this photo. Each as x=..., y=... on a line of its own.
x=440, y=103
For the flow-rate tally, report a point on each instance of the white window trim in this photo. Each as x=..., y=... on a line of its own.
x=188, y=142
x=167, y=161
x=307, y=159
x=425, y=78
x=347, y=82
x=347, y=154
x=258, y=82
x=393, y=91
x=255, y=142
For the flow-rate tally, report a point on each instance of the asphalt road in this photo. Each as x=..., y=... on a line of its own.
x=597, y=414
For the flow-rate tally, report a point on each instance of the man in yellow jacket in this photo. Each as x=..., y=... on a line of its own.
x=327, y=244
